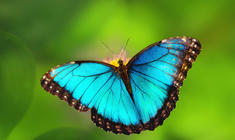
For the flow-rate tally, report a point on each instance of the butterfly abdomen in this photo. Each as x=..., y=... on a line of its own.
x=123, y=73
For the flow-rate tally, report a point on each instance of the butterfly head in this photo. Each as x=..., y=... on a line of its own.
x=118, y=60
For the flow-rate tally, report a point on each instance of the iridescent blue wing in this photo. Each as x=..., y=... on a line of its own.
x=95, y=85
x=156, y=74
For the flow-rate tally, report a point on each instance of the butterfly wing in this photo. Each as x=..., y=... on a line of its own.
x=156, y=74
x=95, y=85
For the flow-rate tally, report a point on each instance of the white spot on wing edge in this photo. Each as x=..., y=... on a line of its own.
x=189, y=59
x=194, y=40
x=163, y=41
x=53, y=71
x=184, y=39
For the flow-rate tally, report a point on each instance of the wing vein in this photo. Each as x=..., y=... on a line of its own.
x=106, y=91
x=61, y=70
x=67, y=74
x=152, y=60
x=101, y=88
x=151, y=77
x=149, y=81
x=160, y=70
x=89, y=86
x=94, y=74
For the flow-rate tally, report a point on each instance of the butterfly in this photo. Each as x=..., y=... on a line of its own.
x=126, y=95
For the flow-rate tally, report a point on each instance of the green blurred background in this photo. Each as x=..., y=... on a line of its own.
x=38, y=35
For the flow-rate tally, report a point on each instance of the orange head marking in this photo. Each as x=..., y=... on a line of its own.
x=118, y=60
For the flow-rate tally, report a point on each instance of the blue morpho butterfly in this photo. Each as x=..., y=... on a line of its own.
x=127, y=96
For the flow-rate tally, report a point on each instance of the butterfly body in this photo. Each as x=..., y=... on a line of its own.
x=122, y=72
x=126, y=95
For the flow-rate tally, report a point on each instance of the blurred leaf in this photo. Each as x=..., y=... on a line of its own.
x=76, y=134
x=65, y=133
x=16, y=82
x=39, y=23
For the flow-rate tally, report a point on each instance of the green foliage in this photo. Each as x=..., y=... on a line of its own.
x=16, y=76
x=37, y=35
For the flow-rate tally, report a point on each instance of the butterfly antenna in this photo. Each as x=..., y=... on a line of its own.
x=107, y=47
x=126, y=43
x=124, y=48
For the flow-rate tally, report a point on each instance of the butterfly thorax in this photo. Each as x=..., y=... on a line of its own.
x=121, y=69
